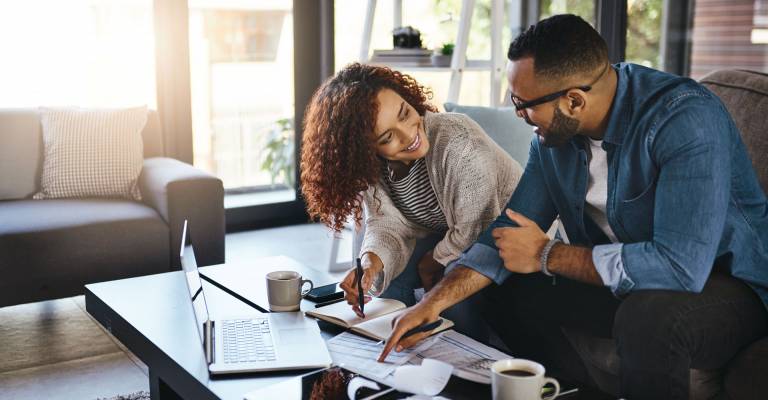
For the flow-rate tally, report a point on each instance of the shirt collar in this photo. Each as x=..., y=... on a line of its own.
x=621, y=109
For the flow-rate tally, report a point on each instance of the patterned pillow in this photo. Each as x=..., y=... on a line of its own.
x=92, y=153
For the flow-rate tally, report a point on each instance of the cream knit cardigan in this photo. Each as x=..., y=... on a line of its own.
x=472, y=177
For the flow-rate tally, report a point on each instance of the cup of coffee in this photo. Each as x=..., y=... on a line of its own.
x=518, y=379
x=284, y=290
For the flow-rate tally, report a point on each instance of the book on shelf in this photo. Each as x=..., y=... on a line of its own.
x=399, y=52
x=377, y=323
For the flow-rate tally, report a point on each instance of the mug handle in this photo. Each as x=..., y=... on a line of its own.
x=554, y=383
x=301, y=286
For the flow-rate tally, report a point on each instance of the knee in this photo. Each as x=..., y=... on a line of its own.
x=646, y=321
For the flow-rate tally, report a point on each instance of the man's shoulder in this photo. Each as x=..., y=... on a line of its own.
x=654, y=90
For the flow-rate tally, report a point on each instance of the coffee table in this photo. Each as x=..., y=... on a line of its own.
x=151, y=316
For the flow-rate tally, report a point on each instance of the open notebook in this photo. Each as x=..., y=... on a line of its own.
x=377, y=323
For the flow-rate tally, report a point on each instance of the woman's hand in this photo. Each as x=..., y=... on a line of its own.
x=372, y=266
x=430, y=271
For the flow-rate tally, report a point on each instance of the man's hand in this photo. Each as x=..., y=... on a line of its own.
x=372, y=266
x=430, y=271
x=520, y=248
x=413, y=317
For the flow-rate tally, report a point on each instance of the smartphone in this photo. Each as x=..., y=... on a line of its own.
x=325, y=293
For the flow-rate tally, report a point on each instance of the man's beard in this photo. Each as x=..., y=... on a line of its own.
x=562, y=129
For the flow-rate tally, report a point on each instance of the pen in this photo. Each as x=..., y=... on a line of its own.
x=329, y=302
x=422, y=328
x=359, y=278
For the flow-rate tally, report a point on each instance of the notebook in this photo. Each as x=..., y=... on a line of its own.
x=377, y=323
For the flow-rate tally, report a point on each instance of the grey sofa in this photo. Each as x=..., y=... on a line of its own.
x=745, y=94
x=51, y=248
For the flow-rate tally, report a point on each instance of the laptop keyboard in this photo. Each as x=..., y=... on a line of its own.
x=247, y=341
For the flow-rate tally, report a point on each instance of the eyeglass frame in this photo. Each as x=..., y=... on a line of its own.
x=521, y=106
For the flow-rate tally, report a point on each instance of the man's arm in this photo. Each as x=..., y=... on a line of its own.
x=520, y=248
x=460, y=283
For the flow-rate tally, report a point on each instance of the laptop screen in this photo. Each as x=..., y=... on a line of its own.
x=195, y=286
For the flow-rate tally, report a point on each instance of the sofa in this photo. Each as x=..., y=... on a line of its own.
x=745, y=94
x=51, y=248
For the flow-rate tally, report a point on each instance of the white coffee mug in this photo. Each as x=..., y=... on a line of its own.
x=284, y=290
x=518, y=379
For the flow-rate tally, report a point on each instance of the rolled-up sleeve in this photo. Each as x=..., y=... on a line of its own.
x=485, y=260
x=610, y=267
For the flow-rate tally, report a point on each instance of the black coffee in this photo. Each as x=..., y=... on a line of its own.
x=517, y=372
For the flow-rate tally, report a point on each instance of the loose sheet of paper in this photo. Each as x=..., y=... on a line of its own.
x=359, y=354
x=428, y=379
x=471, y=359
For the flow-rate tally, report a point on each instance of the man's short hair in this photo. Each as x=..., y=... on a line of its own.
x=561, y=46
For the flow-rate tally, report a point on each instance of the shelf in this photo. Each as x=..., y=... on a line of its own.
x=472, y=65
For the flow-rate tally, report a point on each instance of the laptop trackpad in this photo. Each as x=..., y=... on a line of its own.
x=292, y=336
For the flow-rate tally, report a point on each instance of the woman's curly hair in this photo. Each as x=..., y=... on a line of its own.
x=338, y=154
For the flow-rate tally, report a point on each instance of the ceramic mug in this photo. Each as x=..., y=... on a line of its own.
x=518, y=379
x=284, y=290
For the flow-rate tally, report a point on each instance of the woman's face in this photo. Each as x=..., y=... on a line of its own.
x=399, y=131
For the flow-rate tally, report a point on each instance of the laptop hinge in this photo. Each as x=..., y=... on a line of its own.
x=208, y=331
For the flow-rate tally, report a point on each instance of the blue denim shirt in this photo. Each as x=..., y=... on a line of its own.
x=682, y=194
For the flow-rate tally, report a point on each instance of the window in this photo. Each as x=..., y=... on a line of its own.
x=241, y=65
x=729, y=34
x=583, y=8
x=644, y=32
x=84, y=53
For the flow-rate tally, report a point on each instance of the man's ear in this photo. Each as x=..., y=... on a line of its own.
x=576, y=102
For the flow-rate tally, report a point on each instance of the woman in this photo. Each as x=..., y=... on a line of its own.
x=435, y=178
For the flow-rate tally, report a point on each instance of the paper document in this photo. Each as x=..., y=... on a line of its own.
x=428, y=379
x=471, y=359
x=359, y=354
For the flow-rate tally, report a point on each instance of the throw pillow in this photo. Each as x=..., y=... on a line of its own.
x=92, y=153
x=503, y=126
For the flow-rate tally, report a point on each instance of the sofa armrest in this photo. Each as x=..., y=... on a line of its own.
x=179, y=191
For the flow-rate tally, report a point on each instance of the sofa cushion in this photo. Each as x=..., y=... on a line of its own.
x=49, y=247
x=21, y=150
x=745, y=94
x=503, y=126
x=92, y=153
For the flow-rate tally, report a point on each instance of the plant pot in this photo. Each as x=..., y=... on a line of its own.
x=441, y=60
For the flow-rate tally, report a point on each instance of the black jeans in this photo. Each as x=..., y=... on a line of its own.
x=659, y=334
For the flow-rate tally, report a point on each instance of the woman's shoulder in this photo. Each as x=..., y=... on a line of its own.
x=454, y=131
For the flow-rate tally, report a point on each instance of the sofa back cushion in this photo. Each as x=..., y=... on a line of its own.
x=503, y=126
x=21, y=150
x=745, y=95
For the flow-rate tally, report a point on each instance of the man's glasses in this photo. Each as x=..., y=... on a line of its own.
x=521, y=106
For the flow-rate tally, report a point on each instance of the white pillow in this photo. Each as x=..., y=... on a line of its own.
x=91, y=152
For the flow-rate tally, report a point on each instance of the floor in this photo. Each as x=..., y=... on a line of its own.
x=53, y=350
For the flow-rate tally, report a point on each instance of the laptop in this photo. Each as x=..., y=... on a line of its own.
x=255, y=342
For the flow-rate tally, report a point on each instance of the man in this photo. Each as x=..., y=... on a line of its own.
x=667, y=223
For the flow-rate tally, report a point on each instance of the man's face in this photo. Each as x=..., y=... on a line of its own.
x=553, y=126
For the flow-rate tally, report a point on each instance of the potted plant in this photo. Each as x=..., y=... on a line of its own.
x=443, y=55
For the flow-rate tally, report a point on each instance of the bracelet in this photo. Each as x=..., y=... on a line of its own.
x=545, y=255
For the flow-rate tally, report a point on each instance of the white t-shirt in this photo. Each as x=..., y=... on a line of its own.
x=597, y=188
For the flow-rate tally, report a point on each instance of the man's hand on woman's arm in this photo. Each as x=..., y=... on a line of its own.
x=372, y=267
x=456, y=286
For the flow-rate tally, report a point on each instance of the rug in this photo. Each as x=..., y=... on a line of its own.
x=142, y=395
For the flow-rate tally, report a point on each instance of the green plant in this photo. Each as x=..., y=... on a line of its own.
x=279, y=159
x=447, y=49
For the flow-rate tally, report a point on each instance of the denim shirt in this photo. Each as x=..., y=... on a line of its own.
x=682, y=194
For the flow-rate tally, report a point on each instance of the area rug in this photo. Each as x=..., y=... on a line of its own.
x=142, y=395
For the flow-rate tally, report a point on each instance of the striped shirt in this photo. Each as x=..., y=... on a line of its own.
x=414, y=197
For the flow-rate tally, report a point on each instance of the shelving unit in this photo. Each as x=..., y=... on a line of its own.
x=459, y=62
